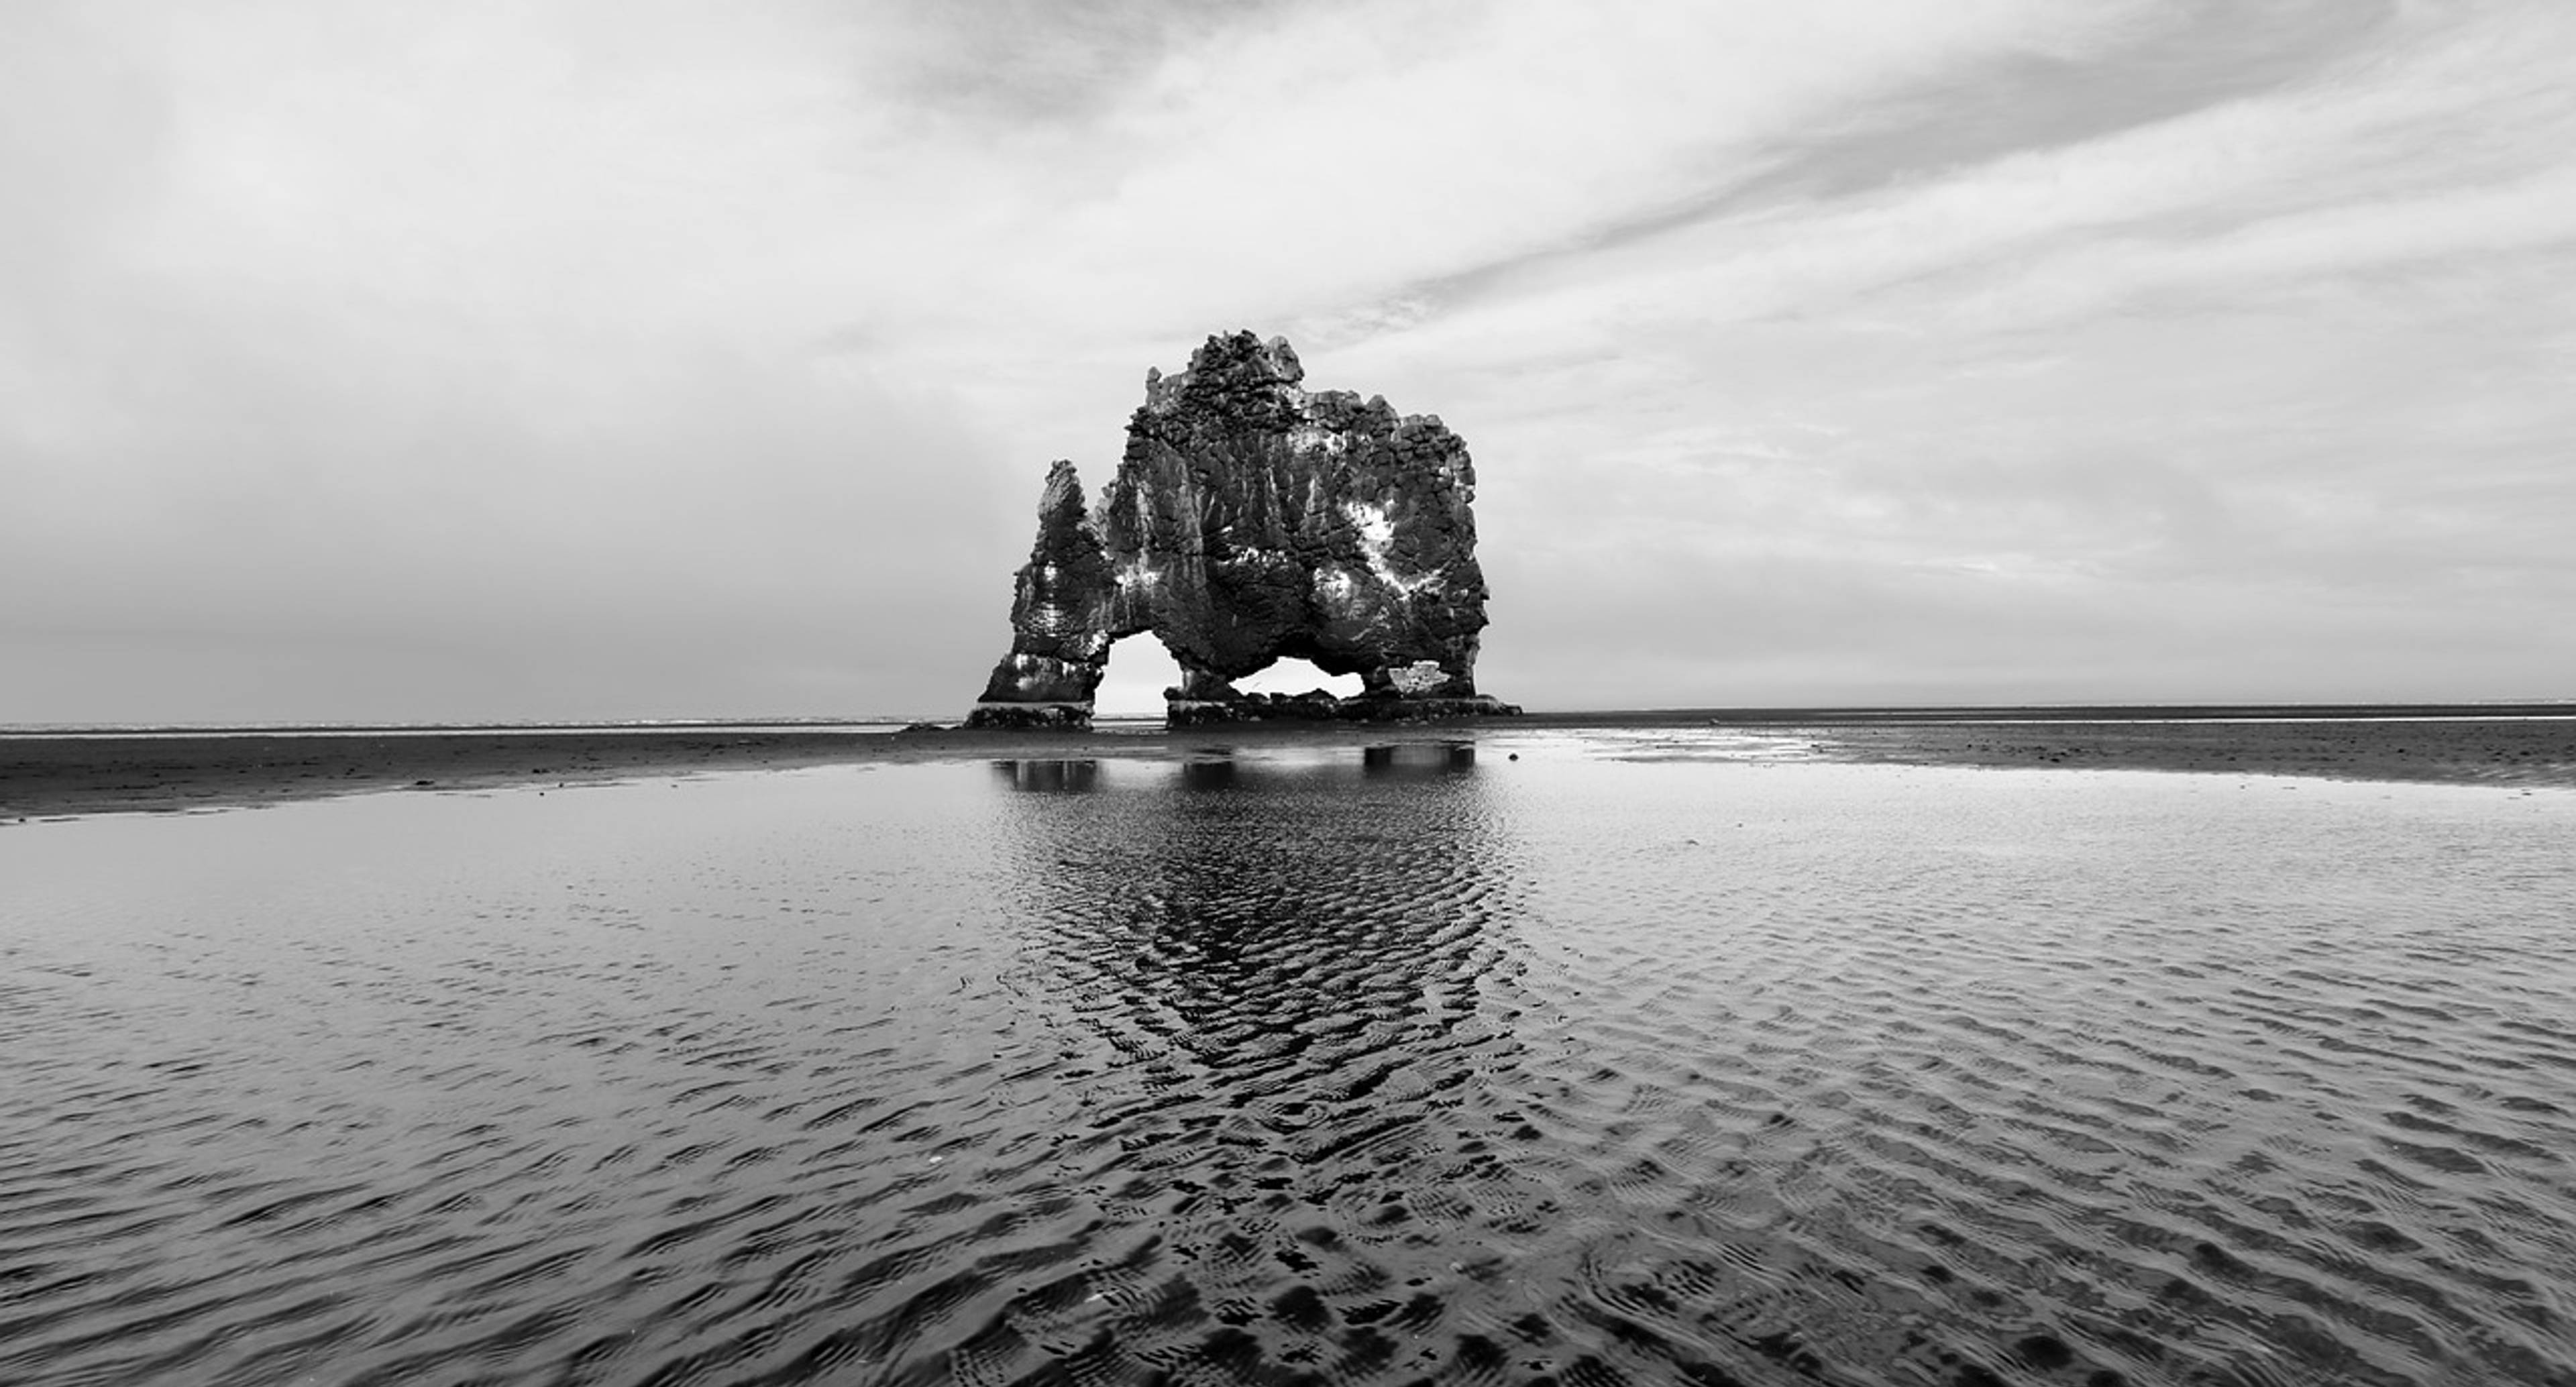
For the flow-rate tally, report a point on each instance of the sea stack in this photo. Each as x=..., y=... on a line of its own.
x=1253, y=520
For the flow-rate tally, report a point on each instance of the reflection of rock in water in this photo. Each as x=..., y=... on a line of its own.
x=1417, y=761
x=1048, y=775
x=1300, y=1003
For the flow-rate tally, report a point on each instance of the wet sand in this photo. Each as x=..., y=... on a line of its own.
x=2533, y=746
x=2450, y=752
x=54, y=774
x=44, y=775
x=1310, y=1065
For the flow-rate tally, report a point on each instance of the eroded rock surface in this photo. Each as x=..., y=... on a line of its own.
x=1253, y=520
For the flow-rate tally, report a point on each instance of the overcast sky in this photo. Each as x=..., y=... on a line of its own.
x=620, y=358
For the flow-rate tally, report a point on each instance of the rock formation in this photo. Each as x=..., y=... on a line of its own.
x=1252, y=520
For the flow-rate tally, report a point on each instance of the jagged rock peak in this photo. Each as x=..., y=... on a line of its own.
x=1063, y=494
x=1227, y=364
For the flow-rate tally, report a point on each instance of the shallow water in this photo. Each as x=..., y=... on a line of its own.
x=1357, y=1067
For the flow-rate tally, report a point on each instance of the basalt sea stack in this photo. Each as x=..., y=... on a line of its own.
x=1253, y=520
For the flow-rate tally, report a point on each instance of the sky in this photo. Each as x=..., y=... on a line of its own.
x=559, y=359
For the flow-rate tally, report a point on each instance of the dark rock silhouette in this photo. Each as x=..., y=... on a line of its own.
x=1252, y=520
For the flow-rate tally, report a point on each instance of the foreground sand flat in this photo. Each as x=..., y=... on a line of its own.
x=1031, y=1069
x=44, y=775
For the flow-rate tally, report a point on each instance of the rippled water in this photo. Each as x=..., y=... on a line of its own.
x=1418, y=1063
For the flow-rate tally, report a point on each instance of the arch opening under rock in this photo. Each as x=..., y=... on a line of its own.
x=1136, y=677
x=1288, y=676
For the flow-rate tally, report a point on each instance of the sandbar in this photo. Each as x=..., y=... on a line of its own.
x=53, y=774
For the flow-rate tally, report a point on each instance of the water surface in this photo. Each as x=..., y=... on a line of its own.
x=1327, y=1065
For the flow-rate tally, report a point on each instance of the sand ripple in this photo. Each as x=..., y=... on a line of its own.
x=1417, y=1064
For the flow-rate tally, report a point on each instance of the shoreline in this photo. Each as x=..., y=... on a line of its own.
x=51, y=775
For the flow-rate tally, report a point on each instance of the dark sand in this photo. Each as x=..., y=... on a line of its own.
x=2519, y=753
x=55, y=774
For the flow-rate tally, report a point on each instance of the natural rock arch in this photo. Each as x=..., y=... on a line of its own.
x=1253, y=520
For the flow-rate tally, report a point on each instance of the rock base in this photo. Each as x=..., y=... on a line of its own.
x=1323, y=707
x=1032, y=717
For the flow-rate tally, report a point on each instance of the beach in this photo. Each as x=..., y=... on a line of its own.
x=1650, y=1052
x=52, y=773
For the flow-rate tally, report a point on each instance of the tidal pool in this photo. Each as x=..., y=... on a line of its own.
x=1321, y=1064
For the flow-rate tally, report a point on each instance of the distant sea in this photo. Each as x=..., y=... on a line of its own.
x=398, y=729
x=1145, y=720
